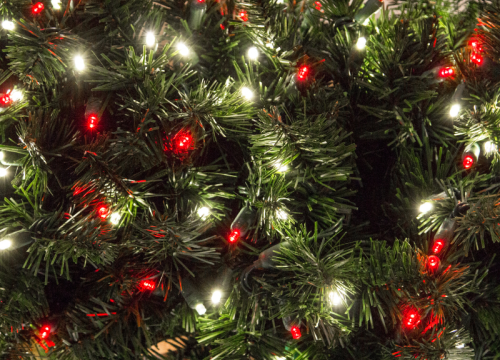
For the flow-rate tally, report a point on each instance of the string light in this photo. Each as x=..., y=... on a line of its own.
x=361, y=43
x=56, y=4
x=37, y=8
x=150, y=39
x=103, y=212
x=280, y=167
x=460, y=346
x=5, y=100
x=216, y=296
x=282, y=214
x=426, y=207
x=201, y=309
x=247, y=93
x=79, y=63
x=183, y=49
x=335, y=298
x=203, y=212
x=489, y=147
x=455, y=110
x=115, y=218
x=243, y=15
x=303, y=72
x=3, y=172
x=148, y=285
x=5, y=244
x=433, y=262
x=253, y=53
x=468, y=162
x=234, y=236
x=8, y=25
x=45, y=332
x=438, y=246
x=295, y=330
x=16, y=95
x=411, y=318
x=92, y=120
x=446, y=72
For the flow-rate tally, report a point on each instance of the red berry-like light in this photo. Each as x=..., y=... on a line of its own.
x=318, y=5
x=243, y=15
x=5, y=99
x=37, y=8
x=303, y=72
x=102, y=212
x=476, y=58
x=295, y=330
x=446, y=72
x=468, y=162
x=45, y=332
x=234, y=236
x=184, y=141
x=476, y=45
x=148, y=285
x=433, y=262
x=438, y=246
x=92, y=120
x=411, y=319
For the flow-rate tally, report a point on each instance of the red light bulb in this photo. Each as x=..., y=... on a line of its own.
x=45, y=332
x=468, y=162
x=184, y=141
x=148, y=285
x=303, y=72
x=438, y=246
x=318, y=5
x=446, y=72
x=38, y=8
x=476, y=58
x=295, y=330
x=234, y=236
x=102, y=212
x=411, y=319
x=433, y=262
x=92, y=120
x=5, y=100
x=243, y=15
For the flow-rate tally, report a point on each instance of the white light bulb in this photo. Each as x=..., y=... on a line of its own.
x=489, y=147
x=2, y=155
x=200, y=308
x=361, y=44
x=425, y=207
x=216, y=296
x=455, y=110
x=279, y=1
x=460, y=346
x=16, y=95
x=203, y=212
x=79, y=63
x=247, y=93
x=5, y=244
x=183, y=49
x=281, y=214
x=3, y=172
x=8, y=25
x=253, y=53
x=56, y=4
x=115, y=218
x=150, y=39
x=335, y=298
x=280, y=167
x=280, y=358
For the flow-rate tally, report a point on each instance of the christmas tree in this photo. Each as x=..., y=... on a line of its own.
x=215, y=179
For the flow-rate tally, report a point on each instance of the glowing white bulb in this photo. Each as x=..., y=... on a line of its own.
x=425, y=207
x=79, y=63
x=8, y=25
x=216, y=296
x=5, y=244
x=3, y=172
x=2, y=155
x=460, y=346
x=335, y=298
x=253, y=53
x=280, y=167
x=56, y=4
x=115, y=218
x=455, y=110
x=247, y=93
x=150, y=39
x=200, y=308
x=489, y=147
x=361, y=44
x=281, y=214
x=279, y=2
x=203, y=212
x=183, y=49
x=16, y=95
x=280, y=358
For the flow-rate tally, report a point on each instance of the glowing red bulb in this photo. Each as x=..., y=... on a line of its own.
x=476, y=58
x=295, y=330
x=303, y=72
x=201, y=1
x=234, y=236
x=438, y=246
x=92, y=120
x=476, y=45
x=318, y=5
x=45, y=332
x=102, y=212
x=446, y=72
x=411, y=319
x=433, y=262
x=185, y=141
x=468, y=162
x=38, y=8
x=5, y=99
x=243, y=15
x=148, y=285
